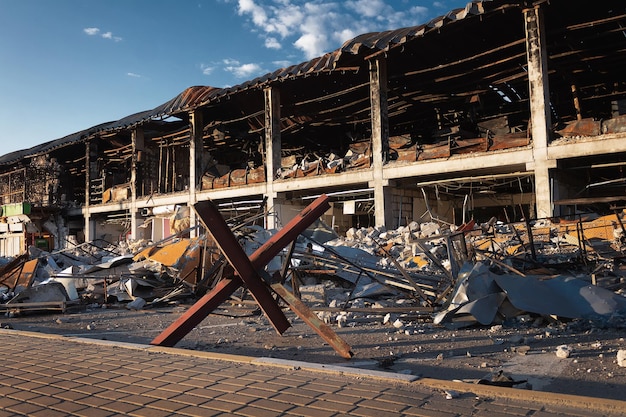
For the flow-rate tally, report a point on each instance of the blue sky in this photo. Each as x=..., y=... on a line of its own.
x=67, y=65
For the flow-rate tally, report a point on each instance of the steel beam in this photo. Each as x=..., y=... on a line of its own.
x=203, y=307
x=236, y=256
x=313, y=321
x=198, y=312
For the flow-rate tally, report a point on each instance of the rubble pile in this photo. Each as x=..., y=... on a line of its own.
x=456, y=276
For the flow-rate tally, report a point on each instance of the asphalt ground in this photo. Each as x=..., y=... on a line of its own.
x=53, y=375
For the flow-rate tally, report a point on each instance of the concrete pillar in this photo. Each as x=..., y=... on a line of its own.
x=137, y=143
x=273, y=147
x=540, y=123
x=196, y=146
x=87, y=230
x=383, y=215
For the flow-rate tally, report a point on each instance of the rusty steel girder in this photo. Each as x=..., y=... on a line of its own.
x=247, y=273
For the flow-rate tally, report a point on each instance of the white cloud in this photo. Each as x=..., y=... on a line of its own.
x=132, y=74
x=242, y=70
x=105, y=35
x=207, y=69
x=109, y=35
x=272, y=43
x=316, y=27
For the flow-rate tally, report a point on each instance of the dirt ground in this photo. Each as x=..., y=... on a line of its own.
x=524, y=350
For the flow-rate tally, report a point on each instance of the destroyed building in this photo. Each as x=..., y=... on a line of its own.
x=505, y=109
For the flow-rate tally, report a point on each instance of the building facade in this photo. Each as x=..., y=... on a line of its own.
x=506, y=109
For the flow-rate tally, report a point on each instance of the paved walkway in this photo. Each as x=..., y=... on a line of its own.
x=45, y=375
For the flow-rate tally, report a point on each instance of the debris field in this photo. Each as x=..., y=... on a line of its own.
x=477, y=302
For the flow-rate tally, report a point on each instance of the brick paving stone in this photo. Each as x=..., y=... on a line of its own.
x=177, y=388
x=126, y=379
x=226, y=387
x=133, y=389
x=23, y=395
x=255, y=392
x=268, y=404
x=292, y=399
x=95, y=412
x=166, y=405
x=192, y=411
x=70, y=395
x=220, y=405
x=89, y=389
x=112, y=395
x=258, y=376
x=25, y=408
x=301, y=391
x=321, y=388
x=204, y=392
x=149, y=412
x=6, y=402
x=46, y=390
x=189, y=399
x=370, y=412
x=172, y=379
x=160, y=394
x=89, y=380
x=47, y=413
x=139, y=400
x=45, y=400
x=338, y=398
x=112, y=385
x=93, y=401
x=310, y=412
x=68, y=407
x=7, y=390
x=235, y=398
x=120, y=407
x=148, y=383
x=377, y=405
x=65, y=384
x=49, y=380
x=329, y=405
x=255, y=412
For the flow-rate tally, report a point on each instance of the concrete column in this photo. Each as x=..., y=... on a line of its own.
x=273, y=147
x=380, y=142
x=540, y=123
x=196, y=146
x=137, y=142
x=87, y=230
